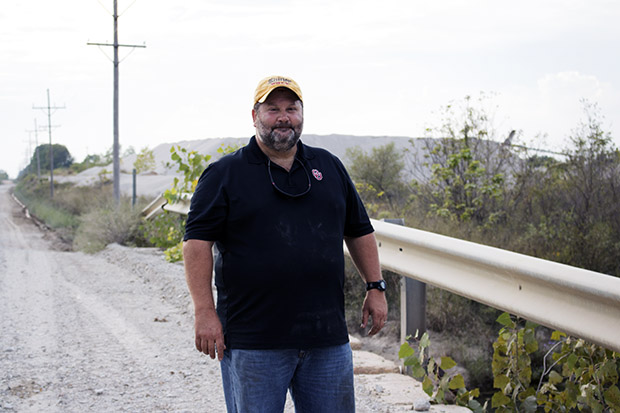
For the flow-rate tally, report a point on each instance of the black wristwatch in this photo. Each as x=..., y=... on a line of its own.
x=379, y=285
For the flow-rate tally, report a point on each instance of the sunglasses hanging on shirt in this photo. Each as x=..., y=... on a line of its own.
x=283, y=192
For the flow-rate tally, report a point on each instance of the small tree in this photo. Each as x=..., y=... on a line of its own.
x=568, y=208
x=191, y=164
x=62, y=158
x=468, y=168
x=379, y=175
x=93, y=160
x=108, y=156
x=129, y=151
x=591, y=184
x=145, y=160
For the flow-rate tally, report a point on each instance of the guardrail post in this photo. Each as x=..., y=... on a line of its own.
x=412, y=301
x=412, y=308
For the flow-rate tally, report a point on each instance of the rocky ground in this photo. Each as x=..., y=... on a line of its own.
x=113, y=332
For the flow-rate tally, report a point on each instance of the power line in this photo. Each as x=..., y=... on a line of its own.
x=116, y=146
x=49, y=108
x=539, y=150
x=506, y=143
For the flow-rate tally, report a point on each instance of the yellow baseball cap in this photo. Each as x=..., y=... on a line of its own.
x=268, y=84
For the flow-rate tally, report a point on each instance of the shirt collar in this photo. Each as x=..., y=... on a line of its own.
x=257, y=156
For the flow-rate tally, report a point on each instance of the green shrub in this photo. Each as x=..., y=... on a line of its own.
x=441, y=387
x=165, y=230
x=108, y=224
x=190, y=164
x=574, y=375
x=174, y=253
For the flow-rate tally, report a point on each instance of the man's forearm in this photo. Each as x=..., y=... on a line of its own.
x=198, y=260
x=365, y=256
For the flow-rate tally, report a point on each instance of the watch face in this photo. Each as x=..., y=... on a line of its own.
x=380, y=285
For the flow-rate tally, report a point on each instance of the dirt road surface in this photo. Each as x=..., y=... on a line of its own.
x=109, y=332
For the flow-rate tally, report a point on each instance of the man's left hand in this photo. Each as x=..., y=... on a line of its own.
x=375, y=306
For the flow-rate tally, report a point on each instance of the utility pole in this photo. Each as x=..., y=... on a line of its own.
x=116, y=145
x=36, y=142
x=36, y=147
x=49, y=108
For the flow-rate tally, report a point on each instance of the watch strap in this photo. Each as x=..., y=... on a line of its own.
x=379, y=285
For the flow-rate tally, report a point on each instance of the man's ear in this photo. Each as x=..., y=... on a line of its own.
x=254, y=114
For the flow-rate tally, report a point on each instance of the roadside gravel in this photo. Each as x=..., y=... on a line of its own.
x=109, y=332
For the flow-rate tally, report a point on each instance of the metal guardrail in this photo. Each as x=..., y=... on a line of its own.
x=160, y=204
x=154, y=208
x=579, y=302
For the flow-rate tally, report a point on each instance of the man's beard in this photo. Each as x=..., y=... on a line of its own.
x=277, y=138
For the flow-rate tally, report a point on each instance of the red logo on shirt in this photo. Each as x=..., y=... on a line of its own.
x=317, y=174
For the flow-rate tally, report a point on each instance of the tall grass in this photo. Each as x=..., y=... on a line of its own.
x=84, y=216
x=52, y=216
x=107, y=224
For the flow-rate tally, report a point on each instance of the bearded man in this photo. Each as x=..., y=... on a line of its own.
x=278, y=212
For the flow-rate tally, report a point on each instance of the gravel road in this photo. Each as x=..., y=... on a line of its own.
x=109, y=332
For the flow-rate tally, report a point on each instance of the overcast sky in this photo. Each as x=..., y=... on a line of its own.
x=365, y=67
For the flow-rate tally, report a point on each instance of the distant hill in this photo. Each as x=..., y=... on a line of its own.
x=336, y=144
x=153, y=183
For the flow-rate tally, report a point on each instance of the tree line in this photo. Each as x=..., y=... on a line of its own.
x=64, y=161
x=466, y=182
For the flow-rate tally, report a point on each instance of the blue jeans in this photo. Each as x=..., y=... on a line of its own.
x=319, y=379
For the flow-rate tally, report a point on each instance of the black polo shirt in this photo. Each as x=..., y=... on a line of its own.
x=280, y=271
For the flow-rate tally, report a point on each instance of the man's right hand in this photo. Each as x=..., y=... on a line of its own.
x=209, y=335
